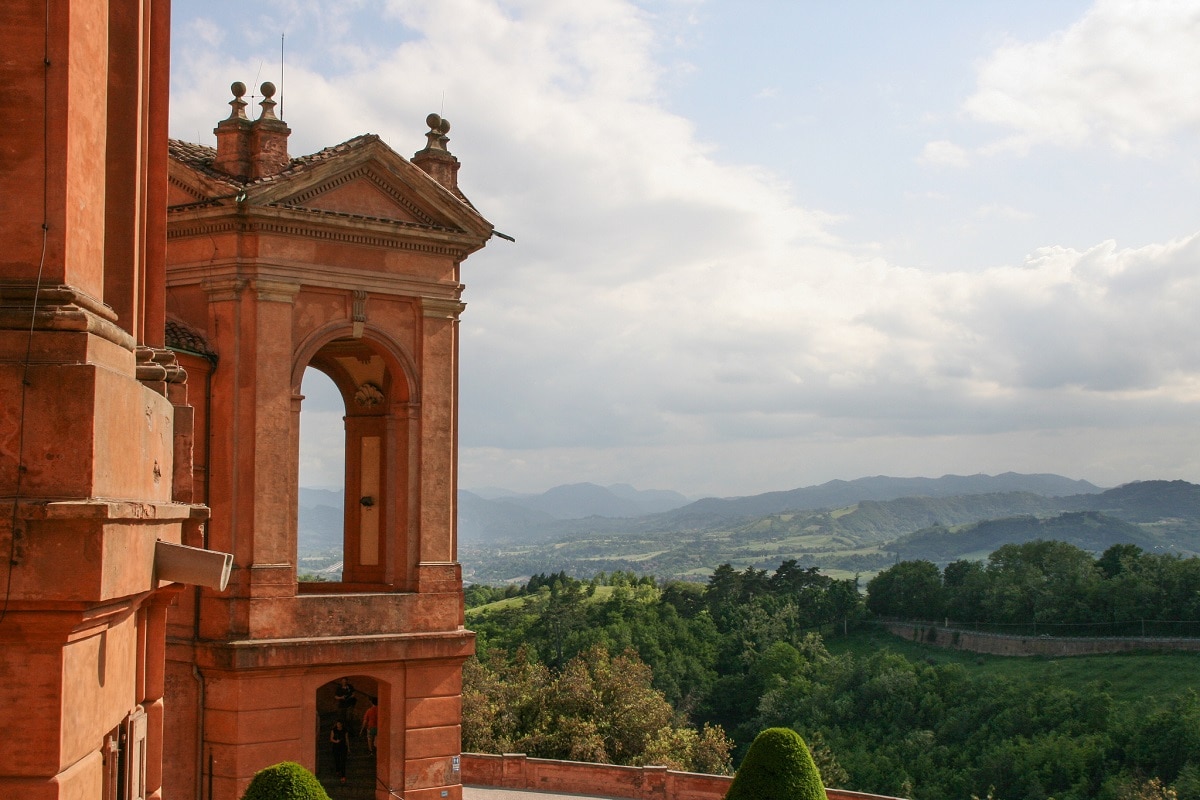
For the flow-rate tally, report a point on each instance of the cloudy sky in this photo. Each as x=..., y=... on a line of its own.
x=762, y=245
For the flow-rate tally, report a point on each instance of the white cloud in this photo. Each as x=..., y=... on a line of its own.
x=1124, y=77
x=1002, y=212
x=670, y=319
x=943, y=153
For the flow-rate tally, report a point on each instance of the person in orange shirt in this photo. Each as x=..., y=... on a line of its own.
x=370, y=723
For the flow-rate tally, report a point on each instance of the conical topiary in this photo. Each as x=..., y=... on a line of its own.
x=286, y=780
x=778, y=766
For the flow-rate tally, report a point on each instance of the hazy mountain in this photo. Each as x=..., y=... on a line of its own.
x=582, y=500
x=650, y=501
x=839, y=494
x=483, y=519
x=1150, y=501
x=320, y=520
x=858, y=525
x=857, y=537
x=1089, y=530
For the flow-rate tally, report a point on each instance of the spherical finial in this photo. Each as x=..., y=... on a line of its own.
x=444, y=126
x=238, y=88
x=433, y=121
x=268, y=89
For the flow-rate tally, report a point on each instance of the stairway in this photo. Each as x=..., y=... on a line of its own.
x=360, y=766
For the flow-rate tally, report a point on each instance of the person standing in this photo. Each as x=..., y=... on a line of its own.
x=339, y=743
x=344, y=695
x=370, y=723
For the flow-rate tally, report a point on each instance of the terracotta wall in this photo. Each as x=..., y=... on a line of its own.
x=517, y=771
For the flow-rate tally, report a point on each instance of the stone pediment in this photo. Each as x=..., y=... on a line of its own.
x=363, y=192
x=370, y=181
x=361, y=178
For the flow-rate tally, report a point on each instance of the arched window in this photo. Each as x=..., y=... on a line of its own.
x=370, y=386
x=322, y=481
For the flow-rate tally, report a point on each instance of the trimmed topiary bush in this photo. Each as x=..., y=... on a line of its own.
x=286, y=780
x=778, y=766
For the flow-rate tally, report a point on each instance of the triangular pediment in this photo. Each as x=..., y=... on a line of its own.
x=363, y=192
x=189, y=182
x=181, y=193
x=361, y=179
x=371, y=181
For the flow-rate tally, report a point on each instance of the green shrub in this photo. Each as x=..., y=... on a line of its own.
x=778, y=766
x=286, y=780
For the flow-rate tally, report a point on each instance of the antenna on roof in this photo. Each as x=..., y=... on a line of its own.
x=281, y=116
x=256, y=83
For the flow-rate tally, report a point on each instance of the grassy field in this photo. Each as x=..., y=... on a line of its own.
x=1128, y=677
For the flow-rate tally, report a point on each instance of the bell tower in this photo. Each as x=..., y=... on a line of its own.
x=346, y=261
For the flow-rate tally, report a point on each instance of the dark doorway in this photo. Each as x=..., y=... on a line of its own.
x=360, y=761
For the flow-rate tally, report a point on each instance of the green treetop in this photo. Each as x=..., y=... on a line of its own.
x=778, y=766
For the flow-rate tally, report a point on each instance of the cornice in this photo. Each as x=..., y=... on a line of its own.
x=327, y=225
x=441, y=308
x=225, y=280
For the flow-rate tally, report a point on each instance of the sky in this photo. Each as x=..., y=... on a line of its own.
x=763, y=245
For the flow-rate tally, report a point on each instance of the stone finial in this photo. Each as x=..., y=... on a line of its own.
x=268, y=138
x=436, y=159
x=268, y=102
x=233, y=132
x=237, y=104
x=438, y=128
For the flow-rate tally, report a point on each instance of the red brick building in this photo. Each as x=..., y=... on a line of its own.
x=95, y=431
x=157, y=313
x=346, y=261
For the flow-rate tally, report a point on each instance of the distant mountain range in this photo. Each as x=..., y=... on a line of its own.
x=518, y=515
x=560, y=510
x=844, y=527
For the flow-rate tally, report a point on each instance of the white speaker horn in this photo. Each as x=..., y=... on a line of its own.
x=179, y=563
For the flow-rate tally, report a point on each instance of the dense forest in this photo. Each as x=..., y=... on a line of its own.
x=1051, y=584
x=624, y=669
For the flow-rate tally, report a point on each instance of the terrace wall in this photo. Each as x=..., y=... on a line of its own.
x=1006, y=645
x=517, y=771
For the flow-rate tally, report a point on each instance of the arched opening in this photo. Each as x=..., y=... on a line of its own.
x=371, y=388
x=320, y=500
x=348, y=758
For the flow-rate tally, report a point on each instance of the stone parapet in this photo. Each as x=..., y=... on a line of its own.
x=518, y=771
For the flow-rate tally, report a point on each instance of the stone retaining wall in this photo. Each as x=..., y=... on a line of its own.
x=1006, y=645
x=517, y=771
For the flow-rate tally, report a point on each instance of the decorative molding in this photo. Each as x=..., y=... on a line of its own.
x=368, y=174
x=200, y=195
x=441, y=308
x=368, y=395
x=223, y=289
x=59, y=308
x=358, y=314
x=203, y=228
x=276, y=291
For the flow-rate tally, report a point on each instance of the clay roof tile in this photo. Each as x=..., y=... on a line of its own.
x=200, y=157
x=181, y=336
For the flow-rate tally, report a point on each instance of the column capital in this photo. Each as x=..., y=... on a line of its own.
x=223, y=289
x=276, y=291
